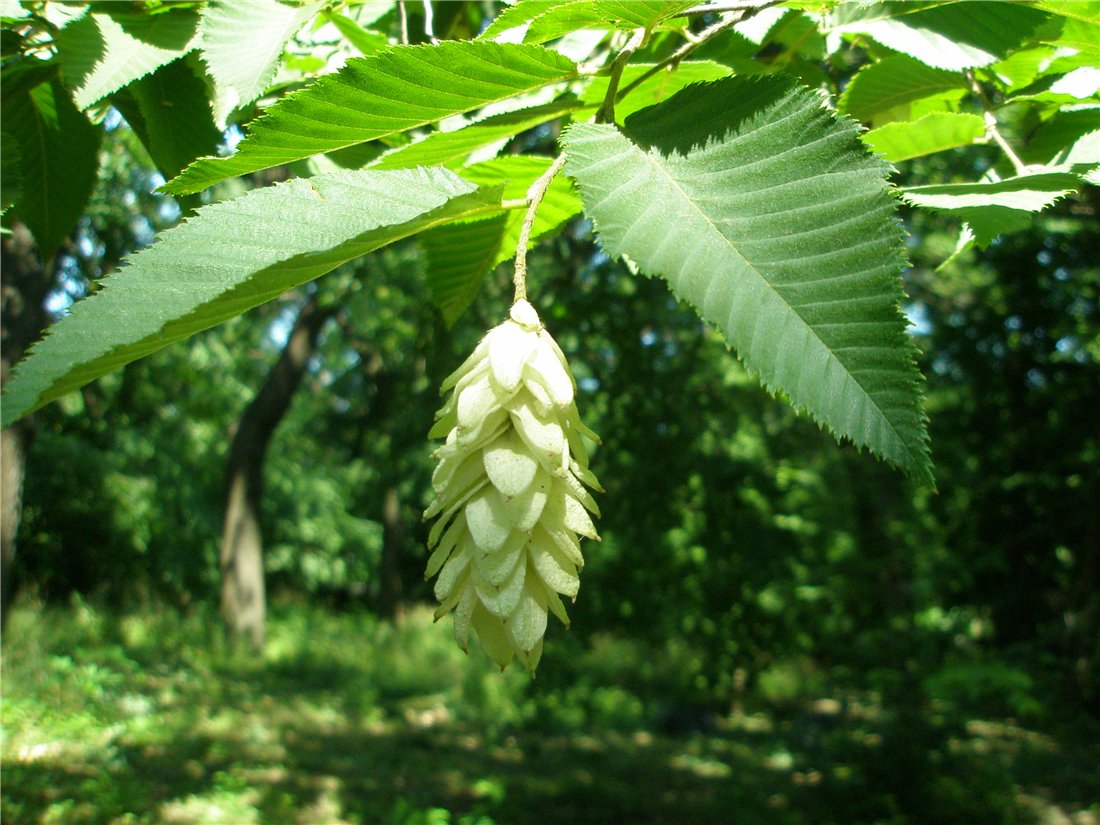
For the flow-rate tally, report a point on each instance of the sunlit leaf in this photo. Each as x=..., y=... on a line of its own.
x=991, y=208
x=242, y=43
x=768, y=216
x=934, y=132
x=230, y=257
x=892, y=82
x=948, y=35
x=103, y=52
x=372, y=97
x=445, y=148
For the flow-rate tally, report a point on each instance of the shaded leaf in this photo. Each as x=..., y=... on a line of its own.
x=58, y=150
x=169, y=113
x=371, y=97
x=230, y=257
x=460, y=255
x=767, y=214
x=11, y=171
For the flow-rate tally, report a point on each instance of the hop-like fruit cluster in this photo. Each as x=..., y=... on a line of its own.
x=510, y=491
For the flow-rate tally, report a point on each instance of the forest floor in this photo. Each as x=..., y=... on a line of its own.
x=148, y=718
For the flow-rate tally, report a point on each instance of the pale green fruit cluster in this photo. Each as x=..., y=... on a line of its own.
x=510, y=491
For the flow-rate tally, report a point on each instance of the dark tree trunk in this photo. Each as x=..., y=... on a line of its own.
x=23, y=313
x=242, y=600
x=393, y=540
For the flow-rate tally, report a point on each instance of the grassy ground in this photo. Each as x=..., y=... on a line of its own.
x=149, y=719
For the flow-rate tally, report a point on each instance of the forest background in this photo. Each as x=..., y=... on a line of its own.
x=775, y=627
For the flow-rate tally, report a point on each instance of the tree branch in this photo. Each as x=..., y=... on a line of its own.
x=991, y=128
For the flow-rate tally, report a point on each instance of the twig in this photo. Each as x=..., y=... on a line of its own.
x=534, y=197
x=404, y=22
x=991, y=129
x=606, y=112
x=699, y=39
x=722, y=8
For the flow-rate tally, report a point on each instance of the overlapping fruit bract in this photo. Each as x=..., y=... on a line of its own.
x=510, y=490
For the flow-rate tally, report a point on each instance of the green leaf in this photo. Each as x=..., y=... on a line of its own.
x=169, y=113
x=103, y=52
x=521, y=14
x=654, y=89
x=242, y=44
x=767, y=214
x=446, y=148
x=551, y=20
x=952, y=35
x=461, y=254
x=1080, y=84
x=642, y=14
x=230, y=257
x=516, y=173
x=1053, y=139
x=994, y=207
x=59, y=151
x=932, y=133
x=11, y=171
x=366, y=41
x=1087, y=11
x=892, y=82
x=398, y=89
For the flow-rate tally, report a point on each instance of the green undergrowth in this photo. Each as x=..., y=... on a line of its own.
x=150, y=717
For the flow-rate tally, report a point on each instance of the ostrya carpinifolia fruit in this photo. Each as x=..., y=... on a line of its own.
x=510, y=491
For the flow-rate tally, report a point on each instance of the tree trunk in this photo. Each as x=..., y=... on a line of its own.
x=393, y=539
x=243, y=601
x=23, y=313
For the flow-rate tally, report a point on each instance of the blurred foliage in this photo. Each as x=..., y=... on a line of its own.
x=771, y=625
x=143, y=717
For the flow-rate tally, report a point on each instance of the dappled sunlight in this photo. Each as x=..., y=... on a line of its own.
x=250, y=742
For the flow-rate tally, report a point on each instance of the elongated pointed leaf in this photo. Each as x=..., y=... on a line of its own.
x=660, y=86
x=892, y=82
x=242, y=43
x=934, y=132
x=767, y=214
x=549, y=20
x=371, y=97
x=953, y=35
x=58, y=150
x=231, y=257
x=104, y=52
x=446, y=148
x=994, y=207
